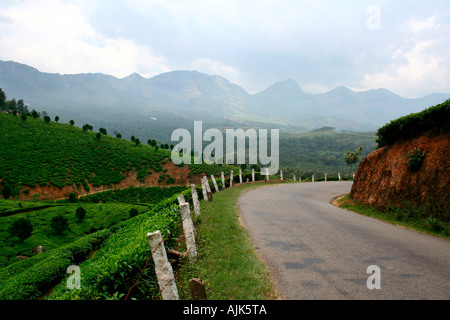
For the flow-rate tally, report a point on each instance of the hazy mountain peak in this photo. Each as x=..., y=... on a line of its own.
x=286, y=85
x=341, y=90
x=134, y=76
x=202, y=94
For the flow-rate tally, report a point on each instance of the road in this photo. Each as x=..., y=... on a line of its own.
x=316, y=251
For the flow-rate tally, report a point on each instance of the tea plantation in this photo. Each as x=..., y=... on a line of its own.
x=104, y=233
x=34, y=152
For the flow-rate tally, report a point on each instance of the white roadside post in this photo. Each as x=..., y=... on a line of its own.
x=195, y=200
x=208, y=188
x=222, y=176
x=188, y=228
x=253, y=174
x=294, y=178
x=339, y=175
x=240, y=176
x=216, y=187
x=265, y=171
x=312, y=178
x=231, y=178
x=204, y=190
x=163, y=268
x=181, y=199
x=326, y=177
x=281, y=175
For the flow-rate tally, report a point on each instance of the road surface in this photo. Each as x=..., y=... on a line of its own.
x=316, y=251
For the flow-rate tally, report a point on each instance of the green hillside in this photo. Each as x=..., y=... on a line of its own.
x=321, y=151
x=33, y=152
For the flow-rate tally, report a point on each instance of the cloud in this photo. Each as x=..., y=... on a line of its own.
x=320, y=44
x=55, y=36
x=419, y=65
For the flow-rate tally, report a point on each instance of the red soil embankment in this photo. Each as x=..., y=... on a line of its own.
x=383, y=178
x=50, y=192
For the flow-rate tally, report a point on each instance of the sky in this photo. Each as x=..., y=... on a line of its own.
x=403, y=46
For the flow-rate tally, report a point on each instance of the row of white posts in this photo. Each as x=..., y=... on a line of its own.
x=164, y=271
x=312, y=177
x=163, y=268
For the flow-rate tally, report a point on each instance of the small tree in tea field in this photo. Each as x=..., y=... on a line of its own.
x=80, y=213
x=21, y=228
x=59, y=224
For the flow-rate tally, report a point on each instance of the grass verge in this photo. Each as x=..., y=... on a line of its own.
x=407, y=218
x=227, y=261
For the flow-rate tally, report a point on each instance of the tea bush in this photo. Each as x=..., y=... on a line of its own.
x=115, y=267
x=38, y=153
x=433, y=118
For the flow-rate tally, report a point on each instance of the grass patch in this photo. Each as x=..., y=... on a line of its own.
x=405, y=217
x=227, y=262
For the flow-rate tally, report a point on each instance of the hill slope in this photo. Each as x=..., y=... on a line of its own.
x=50, y=160
x=413, y=170
x=321, y=151
x=179, y=97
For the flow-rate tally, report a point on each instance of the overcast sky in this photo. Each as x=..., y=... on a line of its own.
x=400, y=45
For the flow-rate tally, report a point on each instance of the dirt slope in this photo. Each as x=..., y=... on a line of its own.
x=50, y=192
x=384, y=179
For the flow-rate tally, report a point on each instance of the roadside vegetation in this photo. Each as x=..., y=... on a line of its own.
x=433, y=118
x=227, y=261
x=412, y=218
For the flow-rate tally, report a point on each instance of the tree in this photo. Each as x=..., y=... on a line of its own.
x=352, y=158
x=73, y=197
x=20, y=106
x=80, y=213
x=98, y=136
x=87, y=127
x=47, y=119
x=118, y=136
x=133, y=212
x=56, y=119
x=6, y=192
x=21, y=228
x=133, y=138
x=2, y=98
x=103, y=131
x=23, y=117
x=59, y=224
x=71, y=122
x=11, y=105
x=137, y=142
x=35, y=114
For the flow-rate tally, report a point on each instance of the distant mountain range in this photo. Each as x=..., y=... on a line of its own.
x=179, y=97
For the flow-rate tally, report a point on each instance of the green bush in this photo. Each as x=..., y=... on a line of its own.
x=80, y=213
x=73, y=197
x=433, y=118
x=133, y=212
x=28, y=279
x=59, y=224
x=115, y=267
x=415, y=159
x=21, y=228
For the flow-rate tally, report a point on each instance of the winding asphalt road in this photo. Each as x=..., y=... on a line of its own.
x=316, y=251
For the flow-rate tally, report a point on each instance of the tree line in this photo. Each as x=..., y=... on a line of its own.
x=20, y=108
